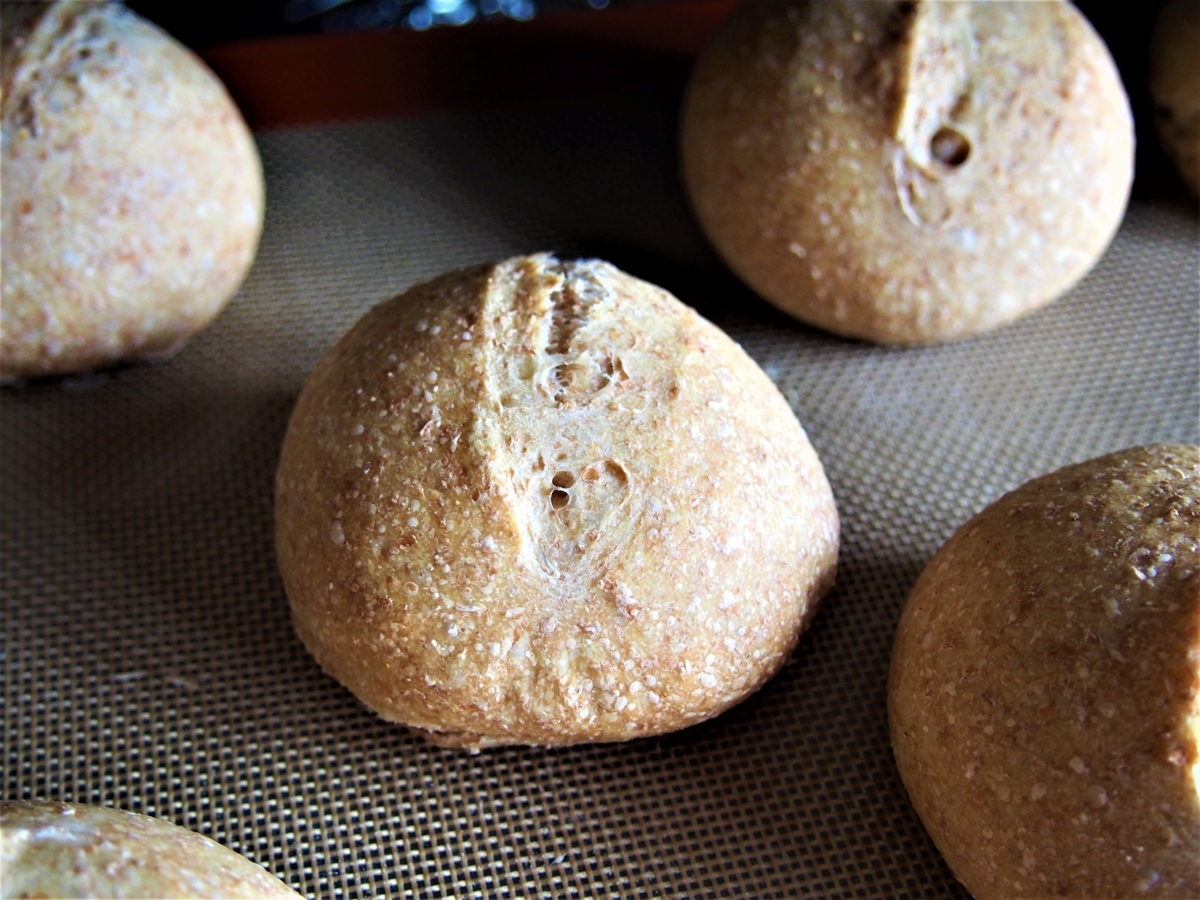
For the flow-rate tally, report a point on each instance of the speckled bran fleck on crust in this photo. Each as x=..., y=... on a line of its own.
x=822, y=147
x=1175, y=85
x=1045, y=685
x=133, y=196
x=74, y=850
x=546, y=503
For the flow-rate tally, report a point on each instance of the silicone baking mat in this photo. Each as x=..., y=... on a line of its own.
x=148, y=658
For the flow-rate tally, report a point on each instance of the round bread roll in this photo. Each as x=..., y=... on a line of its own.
x=1175, y=86
x=1045, y=685
x=74, y=850
x=907, y=173
x=133, y=192
x=542, y=502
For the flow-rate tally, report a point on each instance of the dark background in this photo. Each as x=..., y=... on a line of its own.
x=201, y=25
x=1125, y=27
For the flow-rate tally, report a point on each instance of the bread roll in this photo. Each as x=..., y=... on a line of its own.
x=542, y=502
x=1175, y=86
x=1045, y=685
x=133, y=193
x=907, y=173
x=75, y=850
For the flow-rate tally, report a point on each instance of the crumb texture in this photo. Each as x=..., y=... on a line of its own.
x=73, y=850
x=133, y=194
x=907, y=173
x=543, y=502
x=1045, y=685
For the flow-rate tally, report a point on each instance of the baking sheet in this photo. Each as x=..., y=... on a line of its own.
x=148, y=658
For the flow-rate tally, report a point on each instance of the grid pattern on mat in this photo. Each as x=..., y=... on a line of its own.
x=147, y=657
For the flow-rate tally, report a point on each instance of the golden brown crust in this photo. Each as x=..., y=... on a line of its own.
x=545, y=503
x=907, y=172
x=133, y=196
x=1175, y=86
x=75, y=850
x=1044, y=694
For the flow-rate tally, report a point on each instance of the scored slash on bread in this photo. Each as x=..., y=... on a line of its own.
x=544, y=502
x=907, y=173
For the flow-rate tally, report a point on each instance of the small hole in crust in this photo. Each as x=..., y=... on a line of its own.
x=950, y=147
x=563, y=480
x=559, y=498
x=561, y=377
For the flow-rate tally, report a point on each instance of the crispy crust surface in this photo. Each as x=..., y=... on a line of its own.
x=907, y=173
x=543, y=503
x=133, y=193
x=1044, y=694
x=75, y=850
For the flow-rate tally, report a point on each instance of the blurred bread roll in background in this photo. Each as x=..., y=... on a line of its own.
x=133, y=192
x=907, y=173
x=1175, y=86
x=52, y=849
x=1044, y=694
x=543, y=502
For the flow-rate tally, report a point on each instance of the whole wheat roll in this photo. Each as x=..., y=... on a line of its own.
x=543, y=502
x=1174, y=83
x=907, y=173
x=1044, y=694
x=133, y=192
x=50, y=849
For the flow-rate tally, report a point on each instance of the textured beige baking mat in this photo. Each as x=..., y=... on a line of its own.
x=149, y=662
